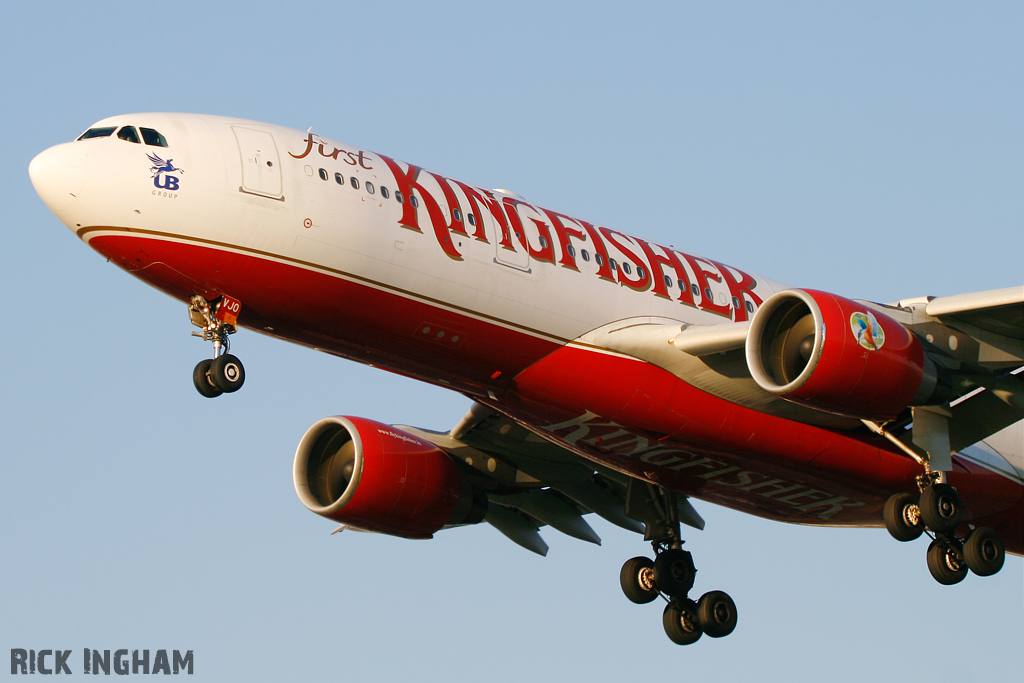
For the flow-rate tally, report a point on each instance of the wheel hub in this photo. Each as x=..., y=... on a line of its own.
x=721, y=612
x=687, y=620
x=952, y=561
x=912, y=515
x=646, y=578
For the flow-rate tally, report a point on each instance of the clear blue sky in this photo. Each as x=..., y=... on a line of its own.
x=871, y=149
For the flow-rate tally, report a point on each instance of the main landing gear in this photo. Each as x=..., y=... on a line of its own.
x=671, y=574
x=222, y=374
x=938, y=512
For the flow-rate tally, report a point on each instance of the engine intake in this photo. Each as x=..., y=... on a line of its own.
x=867, y=366
x=377, y=478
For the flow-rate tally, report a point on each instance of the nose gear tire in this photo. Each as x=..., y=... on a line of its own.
x=201, y=378
x=227, y=373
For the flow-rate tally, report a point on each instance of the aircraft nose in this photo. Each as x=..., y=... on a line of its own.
x=58, y=173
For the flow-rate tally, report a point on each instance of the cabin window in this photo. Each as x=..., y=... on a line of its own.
x=682, y=285
x=369, y=187
x=414, y=201
x=338, y=178
x=614, y=265
x=543, y=242
x=471, y=218
x=571, y=250
x=585, y=254
x=695, y=289
x=323, y=174
x=750, y=307
x=128, y=134
x=668, y=282
x=735, y=302
x=599, y=259
x=457, y=215
x=384, y=192
x=398, y=197
x=640, y=271
x=104, y=132
x=354, y=182
x=628, y=268
x=708, y=295
x=153, y=138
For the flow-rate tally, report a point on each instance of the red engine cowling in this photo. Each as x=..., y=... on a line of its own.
x=867, y=365
x=377, y=478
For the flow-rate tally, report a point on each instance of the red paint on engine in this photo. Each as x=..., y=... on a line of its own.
x=408, y=487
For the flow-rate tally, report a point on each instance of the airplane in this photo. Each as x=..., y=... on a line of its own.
x=607, y=374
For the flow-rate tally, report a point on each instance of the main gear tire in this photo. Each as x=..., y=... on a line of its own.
x=674, y=572
x=946, y=562
x=984, y=552
x=902, y=516
x=637, y=580
x=941, y=509
x=681, y=623
x=716, y=613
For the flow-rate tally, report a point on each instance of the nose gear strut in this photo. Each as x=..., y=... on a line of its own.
x=672, y=572
x=224, y=373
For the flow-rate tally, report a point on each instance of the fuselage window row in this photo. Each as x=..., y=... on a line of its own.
x=458, y=216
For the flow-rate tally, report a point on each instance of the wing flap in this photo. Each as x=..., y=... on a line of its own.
x=531, y=482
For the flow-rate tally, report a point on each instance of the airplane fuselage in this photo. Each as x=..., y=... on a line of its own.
x=354, y=253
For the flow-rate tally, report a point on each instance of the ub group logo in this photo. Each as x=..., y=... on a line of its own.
x=867, y=331
x=162, y=170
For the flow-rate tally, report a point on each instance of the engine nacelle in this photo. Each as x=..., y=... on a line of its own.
x=867, y=365
x=377, y=478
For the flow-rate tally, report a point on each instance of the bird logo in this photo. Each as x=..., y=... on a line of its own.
x=867, y=331
x=160, y=166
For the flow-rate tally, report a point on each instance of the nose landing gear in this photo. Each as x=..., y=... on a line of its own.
x=224, y=373
x=671, y=574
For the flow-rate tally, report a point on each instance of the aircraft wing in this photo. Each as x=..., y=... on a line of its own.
x=531, y=482
x=995, y=312
x=986, y=371
x=993, y=319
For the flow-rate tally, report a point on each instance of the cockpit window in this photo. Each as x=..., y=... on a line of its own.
x=153, y=138
x=103, y=132
x=128, y=133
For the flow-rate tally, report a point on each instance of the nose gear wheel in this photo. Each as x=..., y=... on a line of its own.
x=224, y=373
